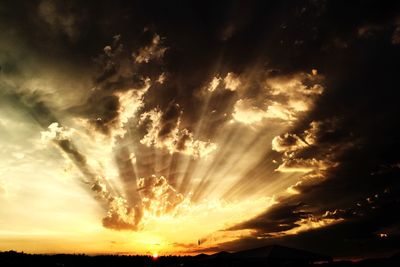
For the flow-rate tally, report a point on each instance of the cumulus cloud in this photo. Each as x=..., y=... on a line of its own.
x=113, y=103
x=166, y=134
x=155, y=197
x=158, y=196
x=308, y=180
x=299, y=150
x=120, y=216
x=232, y=81
x=298, y=96
x=288, y=143
x=153, y=51
x=246, y=113
x=56, y=132
x=130, y=102
x=295, y=85
x=283, y=99
x=119, y=90
x=214, y=84
x=162, y=78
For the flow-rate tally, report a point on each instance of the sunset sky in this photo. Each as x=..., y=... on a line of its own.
x=186, y=127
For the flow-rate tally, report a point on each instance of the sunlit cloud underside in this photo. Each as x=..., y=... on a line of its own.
x=134, y=175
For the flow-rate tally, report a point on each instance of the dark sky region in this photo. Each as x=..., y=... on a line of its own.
x=296, y=101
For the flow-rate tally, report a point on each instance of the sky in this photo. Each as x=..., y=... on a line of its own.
x=186, y=127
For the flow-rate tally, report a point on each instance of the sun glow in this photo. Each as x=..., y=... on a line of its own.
x=149, y=175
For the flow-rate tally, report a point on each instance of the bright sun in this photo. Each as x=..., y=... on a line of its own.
x=155, y=256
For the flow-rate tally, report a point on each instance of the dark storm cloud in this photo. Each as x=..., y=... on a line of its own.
x=353, y=44
x=361, y=98
x=276, y=219
x=370, y=228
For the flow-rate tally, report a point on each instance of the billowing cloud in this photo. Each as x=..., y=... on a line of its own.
x=129, y=103
x=121, y=217
x=285, y=99
x=56, y=132
x=214, y=84
x=166, y=134
x=153, y=51
x=158, y=196
x=232, y=82
x=246, y=113
x=295, y=149
x=281, y=132
x=288, y=143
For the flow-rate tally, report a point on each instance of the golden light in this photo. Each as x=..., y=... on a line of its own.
x=140, y=184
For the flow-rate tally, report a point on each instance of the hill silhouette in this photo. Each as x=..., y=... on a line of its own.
x=261, y=256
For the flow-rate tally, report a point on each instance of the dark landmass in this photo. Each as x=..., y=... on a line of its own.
x=265, y=256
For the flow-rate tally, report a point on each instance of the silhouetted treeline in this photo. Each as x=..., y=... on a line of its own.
x=12, y=258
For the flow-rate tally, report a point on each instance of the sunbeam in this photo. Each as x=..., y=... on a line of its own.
x=157, y=129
